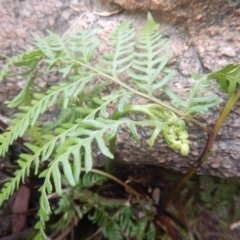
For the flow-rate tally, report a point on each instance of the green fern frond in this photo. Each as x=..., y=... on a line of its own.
x=43, y=44
x=35, y=133
x=110, y=227
x=24, y=96
x=199, y=98
x=69, y=211
x=67, y=53
x=90, y=179
x=74, y=144
x=39, y=105
x=122, y=43
x=24, y=162
x=122, y=223
x=150, y=59
x=83, y=45
x=228, y=78
x=72, y=148
x=166, y=122
x=28, y=60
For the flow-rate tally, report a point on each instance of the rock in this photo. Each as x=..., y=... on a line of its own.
x=204, y=36
x=21, y=33
x=228, y=51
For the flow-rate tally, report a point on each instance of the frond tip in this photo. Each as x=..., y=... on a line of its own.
x=150, y=59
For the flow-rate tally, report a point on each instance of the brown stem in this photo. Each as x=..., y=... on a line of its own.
x=170, y=228
x=19, y=235
x=65, y=232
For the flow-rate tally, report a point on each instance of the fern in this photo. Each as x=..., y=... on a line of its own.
x=39, y=105
x=26, y=59
x=90, y=179
x=111, y=229
x=70, y=212
x=150, y=59
x=123, y=45
x=228, y=77
x=199, y=98
x=218, y=196
x=87, y=99
x=122, y=223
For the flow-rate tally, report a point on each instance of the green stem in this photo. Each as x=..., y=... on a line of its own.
x=126, y=86
x=207, y=150
x=127, y=187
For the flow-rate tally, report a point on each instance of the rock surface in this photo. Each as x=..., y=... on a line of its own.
x=204, y=36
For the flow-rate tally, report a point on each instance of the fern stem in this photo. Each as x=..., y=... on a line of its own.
x=137, y=194
x=198, y=124
x=207, y=150
x=162, y=104
x=118, y=81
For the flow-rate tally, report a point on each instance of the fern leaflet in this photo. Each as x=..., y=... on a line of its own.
x=147, y=63
x=228, y=77
x=199, y=98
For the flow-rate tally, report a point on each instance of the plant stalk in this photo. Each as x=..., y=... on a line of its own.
x=127, y=187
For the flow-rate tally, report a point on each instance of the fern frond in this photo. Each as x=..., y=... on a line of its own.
x=39, y=154
x=199, y=98
x=24, y=96
x=121, y=223
x=75, y=142
x=72, y=148
x=24, y=162
x=166, y=122
x=110, y=227
x=90, y=179
x=43, y=44
x=124, y=100
x=67, y=50
x=70, y=211
x=83, y=45
x=28, y=60
x=39, y=105
x=45, y=152
x=122, y=42
x=150, y=59
x=228, y=78
x=75, y=110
